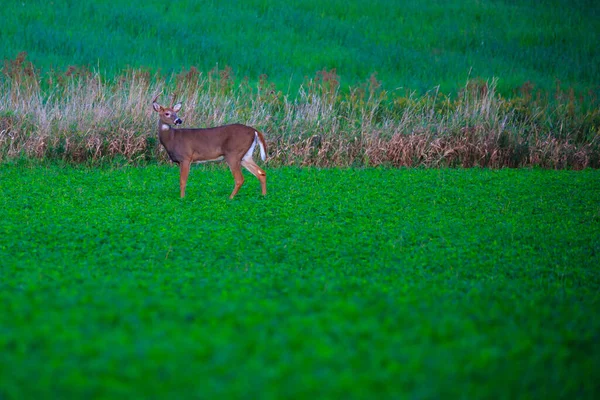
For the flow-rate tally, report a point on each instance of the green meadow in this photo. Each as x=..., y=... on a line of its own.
x=411, y=45
x=340, y=283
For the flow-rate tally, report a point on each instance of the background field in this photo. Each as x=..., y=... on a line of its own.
x=340, y=283
x=337, y=83
x=411, y=44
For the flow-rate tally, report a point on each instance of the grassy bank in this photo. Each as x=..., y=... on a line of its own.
x=340, y=283
x=82, y=116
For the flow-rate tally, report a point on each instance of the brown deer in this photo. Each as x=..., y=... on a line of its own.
x=232, y=143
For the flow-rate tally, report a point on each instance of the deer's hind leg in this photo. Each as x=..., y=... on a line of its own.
x=236, y=170
x=258, y=172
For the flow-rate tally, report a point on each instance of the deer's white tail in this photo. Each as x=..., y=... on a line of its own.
x=261, y=143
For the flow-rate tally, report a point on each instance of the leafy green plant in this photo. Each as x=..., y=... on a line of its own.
x=341, y=282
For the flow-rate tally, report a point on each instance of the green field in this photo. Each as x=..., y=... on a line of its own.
x=341, y=283
x=412, y=45
x=356, y=276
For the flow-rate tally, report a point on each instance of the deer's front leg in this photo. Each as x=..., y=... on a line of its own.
x=184, y=171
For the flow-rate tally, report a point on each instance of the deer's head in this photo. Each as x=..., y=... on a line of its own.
x=167, y=115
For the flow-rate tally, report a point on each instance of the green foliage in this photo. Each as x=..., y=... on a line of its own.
x=339, y=284
x=410, y=44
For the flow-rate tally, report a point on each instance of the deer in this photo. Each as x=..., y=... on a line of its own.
x=233, y=143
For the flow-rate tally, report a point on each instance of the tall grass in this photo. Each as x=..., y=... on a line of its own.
x=81, y=116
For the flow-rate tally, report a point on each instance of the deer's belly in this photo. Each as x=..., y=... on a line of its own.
x=220, y=158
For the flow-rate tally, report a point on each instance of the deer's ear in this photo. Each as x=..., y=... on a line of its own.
x=177, y=107
x=157, y=107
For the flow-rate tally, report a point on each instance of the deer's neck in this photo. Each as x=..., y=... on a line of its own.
x=165, y=133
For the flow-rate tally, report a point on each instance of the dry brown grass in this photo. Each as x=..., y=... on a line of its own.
x=79, y=116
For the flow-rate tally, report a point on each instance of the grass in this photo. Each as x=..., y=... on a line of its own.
x=84, y=117
x=337, y=84
x=340, y=283
x=410, y=44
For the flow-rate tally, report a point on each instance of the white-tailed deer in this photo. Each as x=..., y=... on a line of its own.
x=232, y=143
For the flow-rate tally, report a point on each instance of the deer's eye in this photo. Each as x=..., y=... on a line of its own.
x=168, y=114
